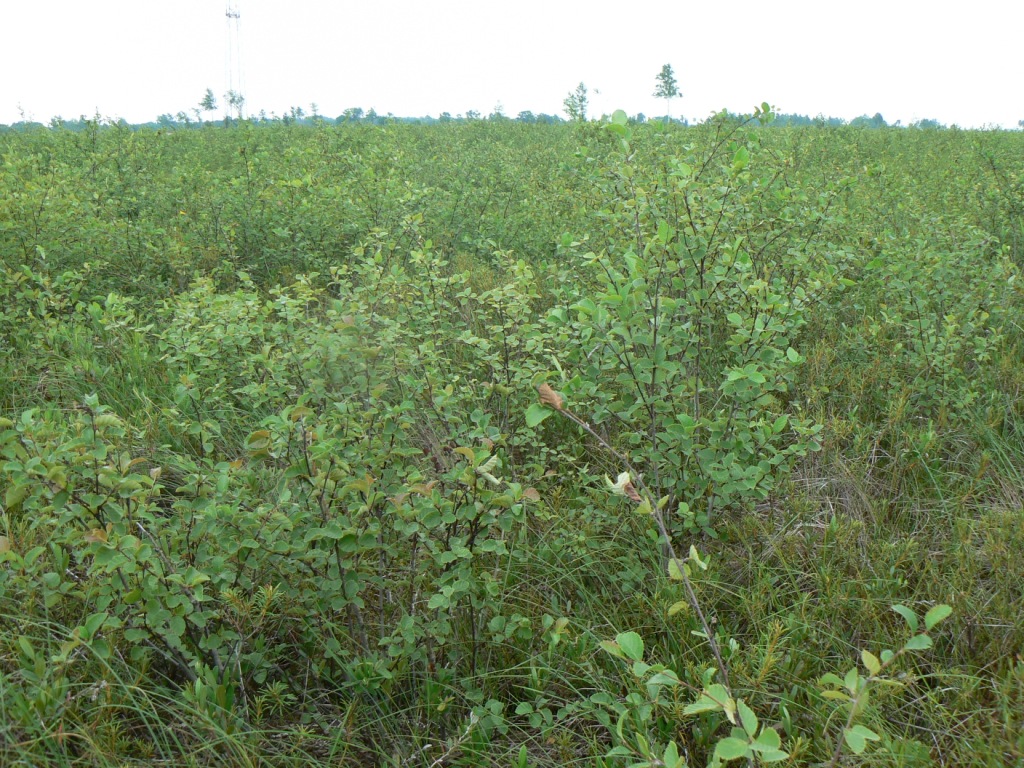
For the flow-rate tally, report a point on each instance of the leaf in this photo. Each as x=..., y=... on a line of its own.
x=484, y=470
x=468, y=453
x=936, y=614
x=94, y=622
x=871, y=662
x=713, y=698
x=747, y=717
x=675, y=573
x=631, y=644
x=867, y=733
x=695, y=558
x=740, y=159
x=908, y=615
x=918, y=643
x=258, y=441
x=703, y=704
x=835, y=695
x=549, y=397
x=619, y=751
x=107, y=420
x=15, y=495
x=101, y=648
x=490, y=478
x=300, y=412
x=858, y=736
x=612, y=647
x=26, y=647
x=665, y=232
x=730, y=711
x=632, y=493
x=855, y=741
x=830, y=678
x=678, y=607
x=536, y=413
x=668, y=677
x=731, y=748
x=671, y=756
x=852, y=681
x=618, y=488
x=768, y=740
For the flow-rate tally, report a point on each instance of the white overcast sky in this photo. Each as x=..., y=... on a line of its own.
x=951, y=60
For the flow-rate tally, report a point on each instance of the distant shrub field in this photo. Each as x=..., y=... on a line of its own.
x=498, y=444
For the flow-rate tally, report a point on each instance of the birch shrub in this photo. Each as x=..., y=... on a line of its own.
x=683, y=341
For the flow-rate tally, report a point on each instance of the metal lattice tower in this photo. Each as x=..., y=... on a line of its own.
x=233, y=63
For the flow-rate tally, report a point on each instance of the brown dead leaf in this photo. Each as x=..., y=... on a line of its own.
x=632, y=492
x=549, y=397
x=423, y=489
x=96, y=534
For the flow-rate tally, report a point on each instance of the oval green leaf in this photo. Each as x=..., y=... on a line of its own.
x=631, y=644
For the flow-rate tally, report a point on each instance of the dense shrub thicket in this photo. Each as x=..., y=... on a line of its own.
x=278, y=489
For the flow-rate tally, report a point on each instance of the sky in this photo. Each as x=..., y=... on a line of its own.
x=948, y=60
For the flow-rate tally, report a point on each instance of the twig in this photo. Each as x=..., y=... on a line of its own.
x=556, y=403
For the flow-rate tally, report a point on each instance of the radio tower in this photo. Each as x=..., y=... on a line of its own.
x=236, y=86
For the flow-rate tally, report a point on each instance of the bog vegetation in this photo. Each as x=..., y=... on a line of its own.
x=499, y=444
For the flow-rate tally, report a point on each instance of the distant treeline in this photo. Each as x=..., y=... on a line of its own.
x=356, y=115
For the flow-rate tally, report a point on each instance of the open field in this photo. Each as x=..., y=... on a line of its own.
x=279, y=487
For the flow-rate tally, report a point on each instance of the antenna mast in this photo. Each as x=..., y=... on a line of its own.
x=236, y=86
